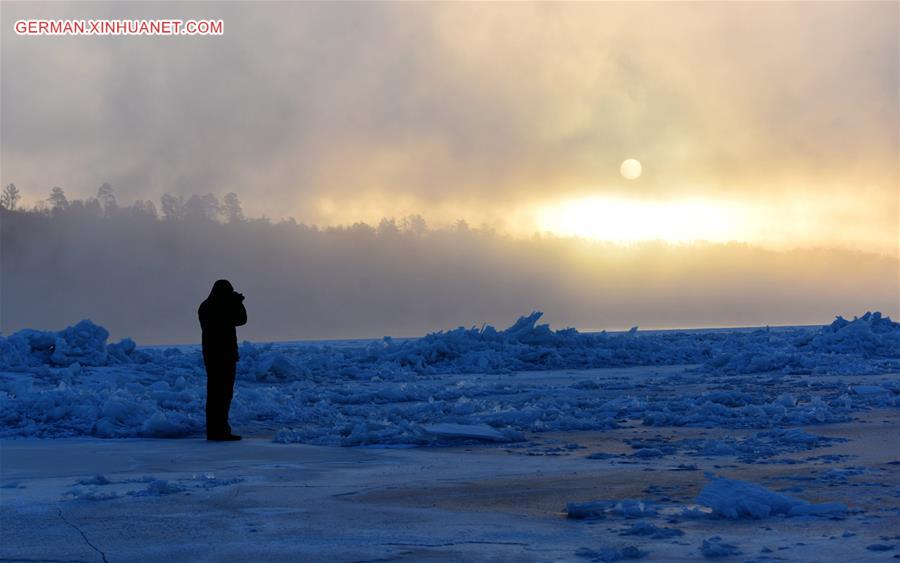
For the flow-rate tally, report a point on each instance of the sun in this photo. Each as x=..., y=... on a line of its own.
x=631, y=169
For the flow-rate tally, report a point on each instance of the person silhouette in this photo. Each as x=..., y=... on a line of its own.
x=219, y=314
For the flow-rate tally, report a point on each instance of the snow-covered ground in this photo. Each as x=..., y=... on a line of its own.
x=520, y=444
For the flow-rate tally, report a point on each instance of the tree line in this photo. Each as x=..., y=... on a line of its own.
x=196, y=208
x=171, y=207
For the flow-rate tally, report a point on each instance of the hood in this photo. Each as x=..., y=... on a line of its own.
x=220, y=289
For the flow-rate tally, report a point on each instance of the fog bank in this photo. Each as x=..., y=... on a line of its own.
x=144, y=277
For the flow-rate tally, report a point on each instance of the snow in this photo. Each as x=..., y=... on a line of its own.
x=514, y=412
x=482, y=500
x=500, y=382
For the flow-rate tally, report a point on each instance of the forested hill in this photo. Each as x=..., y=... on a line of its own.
x=143, y=274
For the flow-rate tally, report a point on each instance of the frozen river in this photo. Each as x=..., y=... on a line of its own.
x=522, y=445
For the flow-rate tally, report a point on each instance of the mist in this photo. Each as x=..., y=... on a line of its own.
x=338, y=113
x=143, y=275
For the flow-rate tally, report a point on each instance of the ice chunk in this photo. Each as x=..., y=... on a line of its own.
x=468, y=431
x=158, y=487
x=90, y=493
x=651, y=531
x=629, y=508
x=735, y=500
x=868, y=390
x=714, y=547
x=592, y=509
x=95, y=480
x=84, y=343
x=122, y=351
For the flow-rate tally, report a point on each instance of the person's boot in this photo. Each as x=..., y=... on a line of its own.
x=223, y=438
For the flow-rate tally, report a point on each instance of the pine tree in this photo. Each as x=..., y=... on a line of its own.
x=10, y=197
x=231, y=207
x=57, y=199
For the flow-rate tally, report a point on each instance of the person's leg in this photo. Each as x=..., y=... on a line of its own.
x=214, y=400
x=228, y=375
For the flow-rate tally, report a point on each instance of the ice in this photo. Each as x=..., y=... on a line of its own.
x=472, y=431
x=90, y=494
x=501, y=497
x=74, y=383
x=735, y=500
x=209, y=481
x=592, y=509
x=628, y=508
x=158, y=487
x=870, y=335
x=691, y=411
x=757, y=447
x=721, y=498
x=868, y=344
x=648, y=452
x=646, y=529
x=95, y=480
x=714, y=547
x=608, y=554
x=83, y=343
x=869, y=390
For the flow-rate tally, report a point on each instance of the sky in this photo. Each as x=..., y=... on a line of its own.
x=774, y=124
x=766, y=132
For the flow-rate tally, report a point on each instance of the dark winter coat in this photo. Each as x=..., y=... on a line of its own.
x=219, y=314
